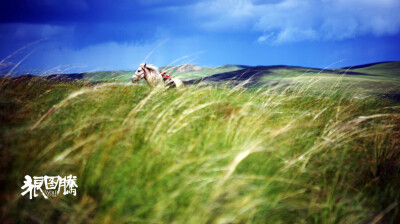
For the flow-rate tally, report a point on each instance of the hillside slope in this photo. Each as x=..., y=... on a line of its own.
x=377, y=79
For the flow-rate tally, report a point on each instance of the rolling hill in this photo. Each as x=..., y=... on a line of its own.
x=192, y=73
x=377, y=79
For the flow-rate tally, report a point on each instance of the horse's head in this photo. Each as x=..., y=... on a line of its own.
x=139, y=74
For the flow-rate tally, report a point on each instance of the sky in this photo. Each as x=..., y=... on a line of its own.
x=54, y=36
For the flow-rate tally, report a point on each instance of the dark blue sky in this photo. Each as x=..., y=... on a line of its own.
x=91, y=35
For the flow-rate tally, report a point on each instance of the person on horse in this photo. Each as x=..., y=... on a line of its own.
x=166, y=78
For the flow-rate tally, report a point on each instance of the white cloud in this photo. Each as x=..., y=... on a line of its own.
x=264, y=38
x=225, y=14
x=300, y=20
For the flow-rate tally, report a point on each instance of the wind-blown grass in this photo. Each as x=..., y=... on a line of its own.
x=200, y=155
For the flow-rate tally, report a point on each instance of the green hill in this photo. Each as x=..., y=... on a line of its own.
x=188, y=73
x=390, y=69
x=377, y=79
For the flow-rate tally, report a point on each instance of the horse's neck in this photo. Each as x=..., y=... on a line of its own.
x=152, y=78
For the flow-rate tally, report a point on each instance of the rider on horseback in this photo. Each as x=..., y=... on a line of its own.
x=152, y=76
x=166, y=78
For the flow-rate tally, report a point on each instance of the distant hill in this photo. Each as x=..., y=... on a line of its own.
x=381, y=79
x=375, y=77
x=383, y=68
x=189, y=71
x=366, y=65
x=182, y=68
x=103, y=76
x=254, y=74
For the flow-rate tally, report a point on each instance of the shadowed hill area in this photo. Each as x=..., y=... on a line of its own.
x=384, y=69
x=254, y=74
x=381, y=79
x=366, y=65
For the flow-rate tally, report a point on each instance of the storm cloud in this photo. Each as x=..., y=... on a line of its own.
x=300, y=20
x=105, y=32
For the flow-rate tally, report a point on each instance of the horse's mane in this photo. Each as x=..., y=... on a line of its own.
x=151, y=68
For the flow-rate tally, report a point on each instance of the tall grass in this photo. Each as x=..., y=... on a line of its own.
x=282, y=154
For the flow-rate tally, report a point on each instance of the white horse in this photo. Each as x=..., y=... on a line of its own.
x=153, y=77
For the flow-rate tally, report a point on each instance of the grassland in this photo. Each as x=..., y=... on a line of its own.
x=287, y=152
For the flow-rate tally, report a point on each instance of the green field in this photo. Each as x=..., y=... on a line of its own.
x=297, y=147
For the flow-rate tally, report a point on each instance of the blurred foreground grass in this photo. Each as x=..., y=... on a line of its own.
x=200, y=155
